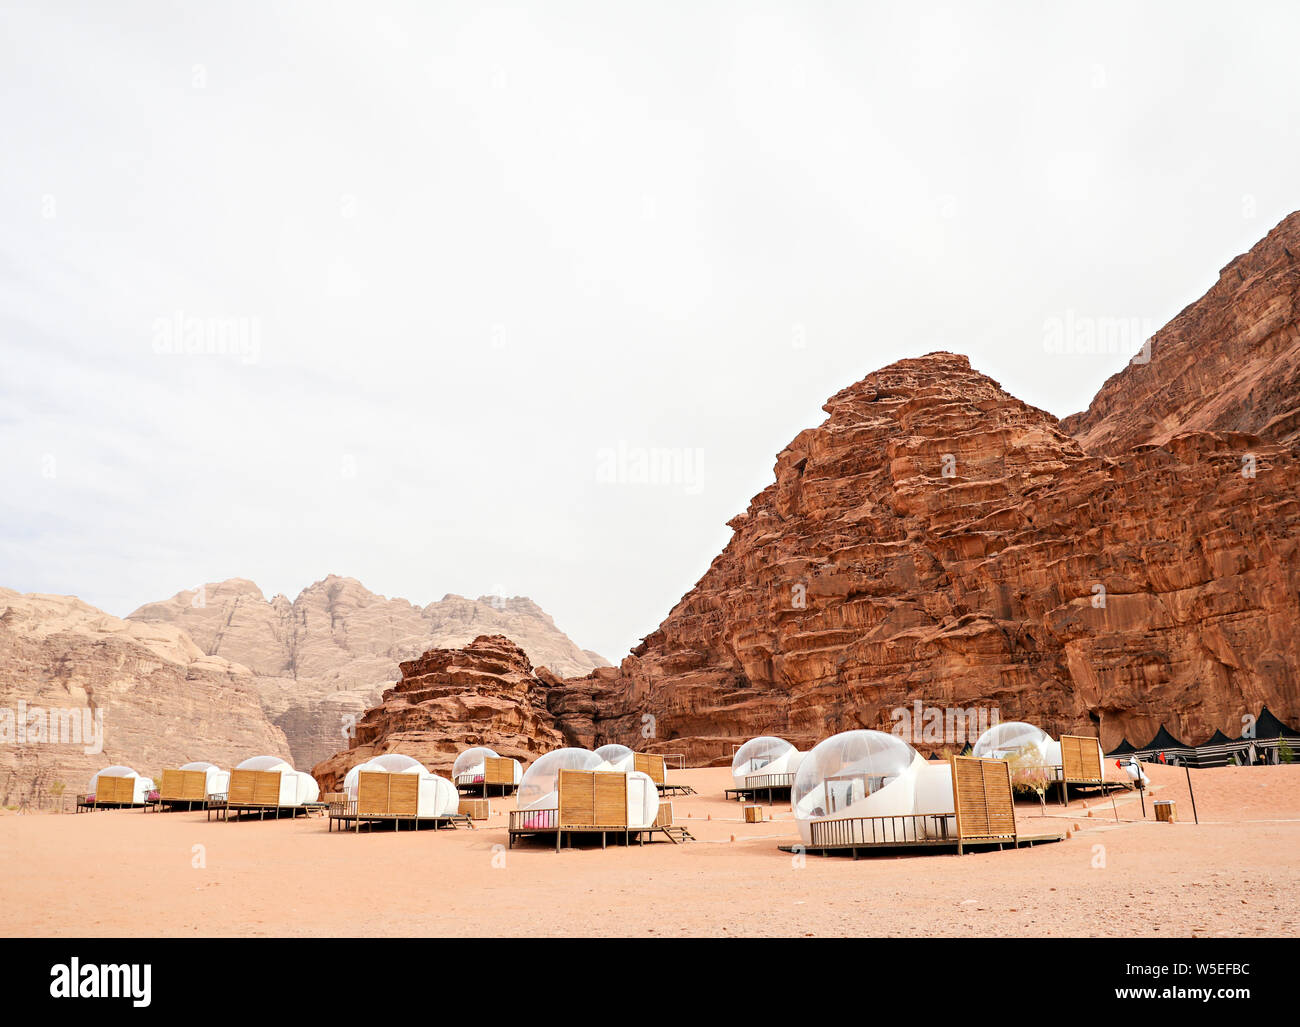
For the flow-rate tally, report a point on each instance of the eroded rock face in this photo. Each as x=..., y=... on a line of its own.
x=162, y=700
x=938, y=539
x=1229, y=362
x=326, y=657
x=485, y=693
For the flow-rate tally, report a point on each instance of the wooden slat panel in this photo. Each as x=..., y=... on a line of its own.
x=650, y=763
x=982, y=799
x=173, y=785
x=577, y=798
x=184, y=785
x=115, y=789
x=498, y=770
x=611, y=799
x=403, y=795
x=475, y=809
x=1081, y=759
x=266, y=787
x=372, y=794
x=240, y=792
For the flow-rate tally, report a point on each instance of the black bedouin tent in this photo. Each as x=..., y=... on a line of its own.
x=1164, y=743
x=1220, y=750
x=1124, y=748
x=1268, y=738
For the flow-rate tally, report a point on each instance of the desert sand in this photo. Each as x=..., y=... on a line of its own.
x=129, y=873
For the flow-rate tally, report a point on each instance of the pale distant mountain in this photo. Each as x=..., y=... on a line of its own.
x=319, y=661
x=134, y=693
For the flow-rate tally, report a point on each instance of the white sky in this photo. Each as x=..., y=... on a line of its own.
x=483, y=248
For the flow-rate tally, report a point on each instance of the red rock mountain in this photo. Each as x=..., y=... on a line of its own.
x=321, y=660
x=938, y=539
x=449, y=699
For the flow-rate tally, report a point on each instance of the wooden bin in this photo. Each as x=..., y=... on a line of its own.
x=1166, y=811
x=753, y=814
x=475, y=809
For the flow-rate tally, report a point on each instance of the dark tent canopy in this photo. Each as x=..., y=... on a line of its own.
x=1218, y=738
x=1163, y=741
x=1123, y=749
x=1268, y=727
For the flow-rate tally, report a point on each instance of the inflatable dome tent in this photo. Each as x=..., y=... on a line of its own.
x=296, y=787
x=192, y=783
x=478, y=768
x=122, y=786
x=436, y=796
x=616, y=757
x=539, y=790
x=1037, y=759
x=764, y=764
x=858, y=775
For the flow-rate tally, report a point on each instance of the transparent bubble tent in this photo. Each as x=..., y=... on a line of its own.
x=864, y=774
x=1030, y=750
x=764, y=757
x=539, y=788
x=436, y=796
x=140, y=790
x=615, y=757
x=470, y=766
x=296, y=787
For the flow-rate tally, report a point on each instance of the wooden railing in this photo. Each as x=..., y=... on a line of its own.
x=534, y=819
x=914, y=828
x=758, y=784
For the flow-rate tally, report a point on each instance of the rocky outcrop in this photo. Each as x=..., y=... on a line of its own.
x=937, y=539
x=145, y=691
x=323, y=659
x=1229, y=362
x=447, y=700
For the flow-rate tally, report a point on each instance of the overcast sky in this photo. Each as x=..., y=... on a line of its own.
x=409, y=291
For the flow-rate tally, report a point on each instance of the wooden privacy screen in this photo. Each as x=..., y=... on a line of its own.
x=184, y=785
x=115, y=789
x=592, y=798
x=649, y=763
x=498, y=770
x=981, y=796
x=1080, y=760
x=254, y=788
x=387, y=795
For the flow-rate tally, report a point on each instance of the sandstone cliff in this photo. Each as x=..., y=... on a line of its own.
x=161, y=701
x=938, y=539
x=449, y=699
x=1230, y=361
x=323, y=659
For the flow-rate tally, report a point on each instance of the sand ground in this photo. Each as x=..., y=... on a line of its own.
x=128, y=873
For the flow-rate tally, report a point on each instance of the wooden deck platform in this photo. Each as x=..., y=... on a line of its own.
x=769, y=787
x=223, y=809
x=346, y=816
x=923, y=845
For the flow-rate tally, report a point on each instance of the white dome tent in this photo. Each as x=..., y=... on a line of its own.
x=269, y=784
x=480, y=768
x=764, y=765
x=1038, y=761
x=600, y=798
x=191, y=784
x=120, y=786
x=874, y=785
x=539, y=788
x=374, y=794
x=616, y=757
